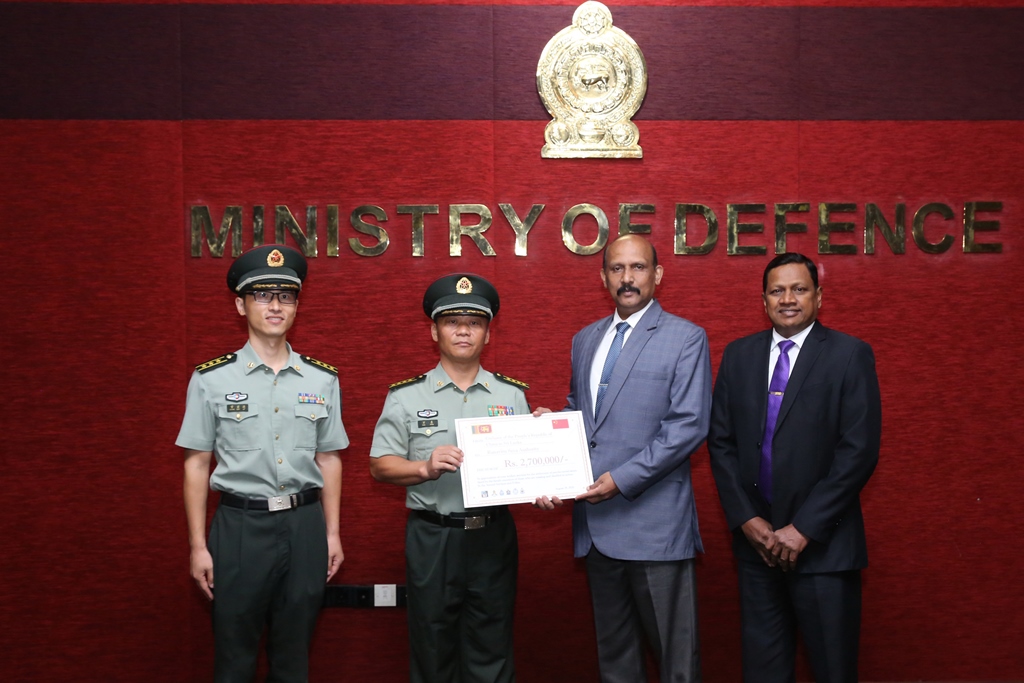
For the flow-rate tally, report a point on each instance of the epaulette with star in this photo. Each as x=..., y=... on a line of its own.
x=217, y=362
x=407, y=382
x=514, y=382
x=320, y=364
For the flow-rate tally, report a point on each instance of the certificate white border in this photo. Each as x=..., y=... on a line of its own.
x=472, y=493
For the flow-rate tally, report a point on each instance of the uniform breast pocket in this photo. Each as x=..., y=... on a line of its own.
x=307, y=417
x=425, y=436
x=237, y=426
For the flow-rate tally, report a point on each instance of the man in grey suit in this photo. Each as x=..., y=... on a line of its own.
x=642, y=379
x=790, y=455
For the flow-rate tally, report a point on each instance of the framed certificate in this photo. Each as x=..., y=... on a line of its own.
x=516, y=459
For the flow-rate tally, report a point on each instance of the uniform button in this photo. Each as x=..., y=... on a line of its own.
x=282, y=487
x=593, y=444
x=465, y=399
x=238, y=417
x=276, y=409
x=427, y=432
x=279, y=461
x=312, y=416
x=275, y=382
x=276, y=437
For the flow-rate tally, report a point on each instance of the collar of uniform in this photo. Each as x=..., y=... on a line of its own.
x=251, y=361
x=438, y=379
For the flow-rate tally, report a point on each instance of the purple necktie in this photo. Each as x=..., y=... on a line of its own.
x=776, y=390
x=609, y=364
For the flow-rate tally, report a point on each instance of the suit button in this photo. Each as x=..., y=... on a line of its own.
x=593, y=444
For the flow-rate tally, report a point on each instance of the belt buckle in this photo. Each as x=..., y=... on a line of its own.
x=278, y=503
x=477, y=522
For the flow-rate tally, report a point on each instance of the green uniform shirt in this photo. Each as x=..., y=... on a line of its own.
x=264, y=429
x=419, y=416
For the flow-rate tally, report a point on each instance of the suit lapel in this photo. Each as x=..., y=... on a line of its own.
x=638, y=339
x=588, y=349
x=812, y=348
x=760, y=375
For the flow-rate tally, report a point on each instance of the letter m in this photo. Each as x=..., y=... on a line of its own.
x=203, y=225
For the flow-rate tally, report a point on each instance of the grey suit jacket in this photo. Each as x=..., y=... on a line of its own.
x=826, y=444
x=654, y=414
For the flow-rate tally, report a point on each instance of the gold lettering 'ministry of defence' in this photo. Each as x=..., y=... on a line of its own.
x=592, y=78
x=933, y=228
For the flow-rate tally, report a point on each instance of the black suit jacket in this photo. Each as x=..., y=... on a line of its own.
x=826, y=444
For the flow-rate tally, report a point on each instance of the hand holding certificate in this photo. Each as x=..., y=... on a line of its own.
x=520, y=458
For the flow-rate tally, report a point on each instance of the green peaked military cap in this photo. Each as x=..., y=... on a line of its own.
x=270, y=266
x=461, y=294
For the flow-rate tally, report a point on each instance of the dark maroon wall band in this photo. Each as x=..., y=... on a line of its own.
x=325, y=62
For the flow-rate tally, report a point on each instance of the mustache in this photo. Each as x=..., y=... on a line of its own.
x=627, y=288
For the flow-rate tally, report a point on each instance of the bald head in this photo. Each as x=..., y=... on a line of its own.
x=654, y=253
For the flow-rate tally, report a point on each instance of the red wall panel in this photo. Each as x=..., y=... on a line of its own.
x=109, y=312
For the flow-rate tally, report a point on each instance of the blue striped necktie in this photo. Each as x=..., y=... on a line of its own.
x=609, y=364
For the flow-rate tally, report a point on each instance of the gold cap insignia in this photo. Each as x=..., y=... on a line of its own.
x=275, y=259
x=592, y=78
x=464, y=286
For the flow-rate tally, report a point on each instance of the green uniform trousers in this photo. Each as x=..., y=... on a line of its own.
x=461, y=594
x=269, y=571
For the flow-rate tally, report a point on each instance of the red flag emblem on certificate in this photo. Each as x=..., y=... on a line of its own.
x=481, y=429
x=560, y=424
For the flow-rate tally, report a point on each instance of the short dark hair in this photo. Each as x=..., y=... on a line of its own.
x=654, y=253
x=784, y=260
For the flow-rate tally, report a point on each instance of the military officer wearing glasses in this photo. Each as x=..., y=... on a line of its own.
x=460, y=565
x=271, y=419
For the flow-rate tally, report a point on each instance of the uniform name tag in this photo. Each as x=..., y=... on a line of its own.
x=238, y=408
x=427, y=423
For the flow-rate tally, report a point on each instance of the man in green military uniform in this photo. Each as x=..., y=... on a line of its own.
x=272, y=418
x=460, y=566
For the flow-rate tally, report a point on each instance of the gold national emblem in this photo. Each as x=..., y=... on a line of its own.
x=275, y=259
x=464, y=286
x=592, y=78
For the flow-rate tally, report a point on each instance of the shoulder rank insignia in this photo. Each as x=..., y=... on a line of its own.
x=514, y=382
x=320, y=364
x=406, y=382
x=217, y=362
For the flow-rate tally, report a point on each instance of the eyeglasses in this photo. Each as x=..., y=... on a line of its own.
x=264, y=297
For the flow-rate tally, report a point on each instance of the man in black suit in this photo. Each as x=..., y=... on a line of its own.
x=790, y=452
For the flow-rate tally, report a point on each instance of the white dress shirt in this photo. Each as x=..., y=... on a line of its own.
x=606, y=344
x=798, y=341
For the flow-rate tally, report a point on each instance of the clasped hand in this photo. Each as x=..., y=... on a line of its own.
x=779, y=548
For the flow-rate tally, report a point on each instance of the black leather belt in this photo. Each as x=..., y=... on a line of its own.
x=463, y=520
x=274, y=504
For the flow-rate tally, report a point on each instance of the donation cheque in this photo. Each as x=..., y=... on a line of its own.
x=518, y=458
